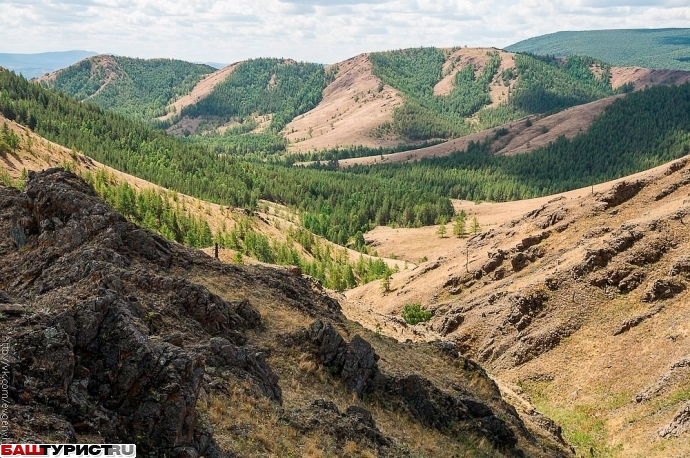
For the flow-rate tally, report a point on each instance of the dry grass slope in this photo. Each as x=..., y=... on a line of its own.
x=578, y=303
x=353, y=105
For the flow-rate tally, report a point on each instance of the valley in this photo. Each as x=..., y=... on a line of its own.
x=555, y=327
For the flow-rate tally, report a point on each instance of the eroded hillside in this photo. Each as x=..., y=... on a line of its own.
x=521, y=136
x=353, y=105
x=117, y=335
x=579, y=301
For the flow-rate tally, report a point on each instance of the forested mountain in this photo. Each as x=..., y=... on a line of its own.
x=138, y=88
x=639, y=131
x=251, y=109
x=649, y=48
x=245, y=113
x=281, y=88
x=35, y=65
x=332, y=204
x=537, y=85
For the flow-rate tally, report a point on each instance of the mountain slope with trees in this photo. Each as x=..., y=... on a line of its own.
x=648, y=48
x=340, y=204
x=394, y=93
x=39, y=64
x=538, y=85
x=139, y=88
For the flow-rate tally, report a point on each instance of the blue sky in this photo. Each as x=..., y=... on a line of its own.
x=325, y=31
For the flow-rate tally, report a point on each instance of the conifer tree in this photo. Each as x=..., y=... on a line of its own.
x=441, y=231
x=476, y=228
x=386, y=282
x=460, y=227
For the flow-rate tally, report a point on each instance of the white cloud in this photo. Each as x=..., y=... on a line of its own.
x=316, y=30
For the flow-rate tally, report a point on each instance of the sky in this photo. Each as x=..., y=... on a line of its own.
x=324, y=31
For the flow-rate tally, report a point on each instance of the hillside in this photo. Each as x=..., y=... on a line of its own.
x=600, y=272
x=520, y=136
x=271, y=234
x=202, y=89
x=35, y=65
x=123, y=337
x=138, y=88
x=648, y=48
x=352, y=103
x=392, y=100
x=353, y=106
x=341, y=205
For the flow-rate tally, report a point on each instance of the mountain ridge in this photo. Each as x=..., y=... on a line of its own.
x=37, y=64
x=358, y=109
x=651, y=48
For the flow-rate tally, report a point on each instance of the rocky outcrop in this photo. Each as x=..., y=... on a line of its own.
x=439, y=409
x=681, y=266
x=357, y=365
x=110, y=341
x=636, y=320
x=620, y=192
x=673, y=377
x=663, y=288
x=680, y=423
x=524, y=308
x=355, y=424
x=532, y=240
x=495, y=260
x=594, y=258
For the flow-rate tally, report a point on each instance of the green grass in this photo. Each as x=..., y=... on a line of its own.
x=582, y=425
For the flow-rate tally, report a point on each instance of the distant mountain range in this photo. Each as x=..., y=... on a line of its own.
x=33, y=65
x=649, y=48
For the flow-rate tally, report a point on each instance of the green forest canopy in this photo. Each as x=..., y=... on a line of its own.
x=648, y=48
x=138, y=88
x=644, y=129
x=543, y=85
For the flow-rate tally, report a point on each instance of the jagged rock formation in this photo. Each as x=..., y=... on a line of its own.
x=114, y=339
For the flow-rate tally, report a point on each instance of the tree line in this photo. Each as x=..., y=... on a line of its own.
x=138, y=88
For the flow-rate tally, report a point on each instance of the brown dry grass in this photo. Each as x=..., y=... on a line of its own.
x=592, y=376
x=351, y=108
x=252, y=427
x=641, y=77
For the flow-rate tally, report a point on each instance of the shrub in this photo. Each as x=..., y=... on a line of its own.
x=413, y=314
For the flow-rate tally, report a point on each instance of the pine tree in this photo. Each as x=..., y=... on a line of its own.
x=476, y=229
x=441, y=231
x=386, y=282
x=460, y=227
